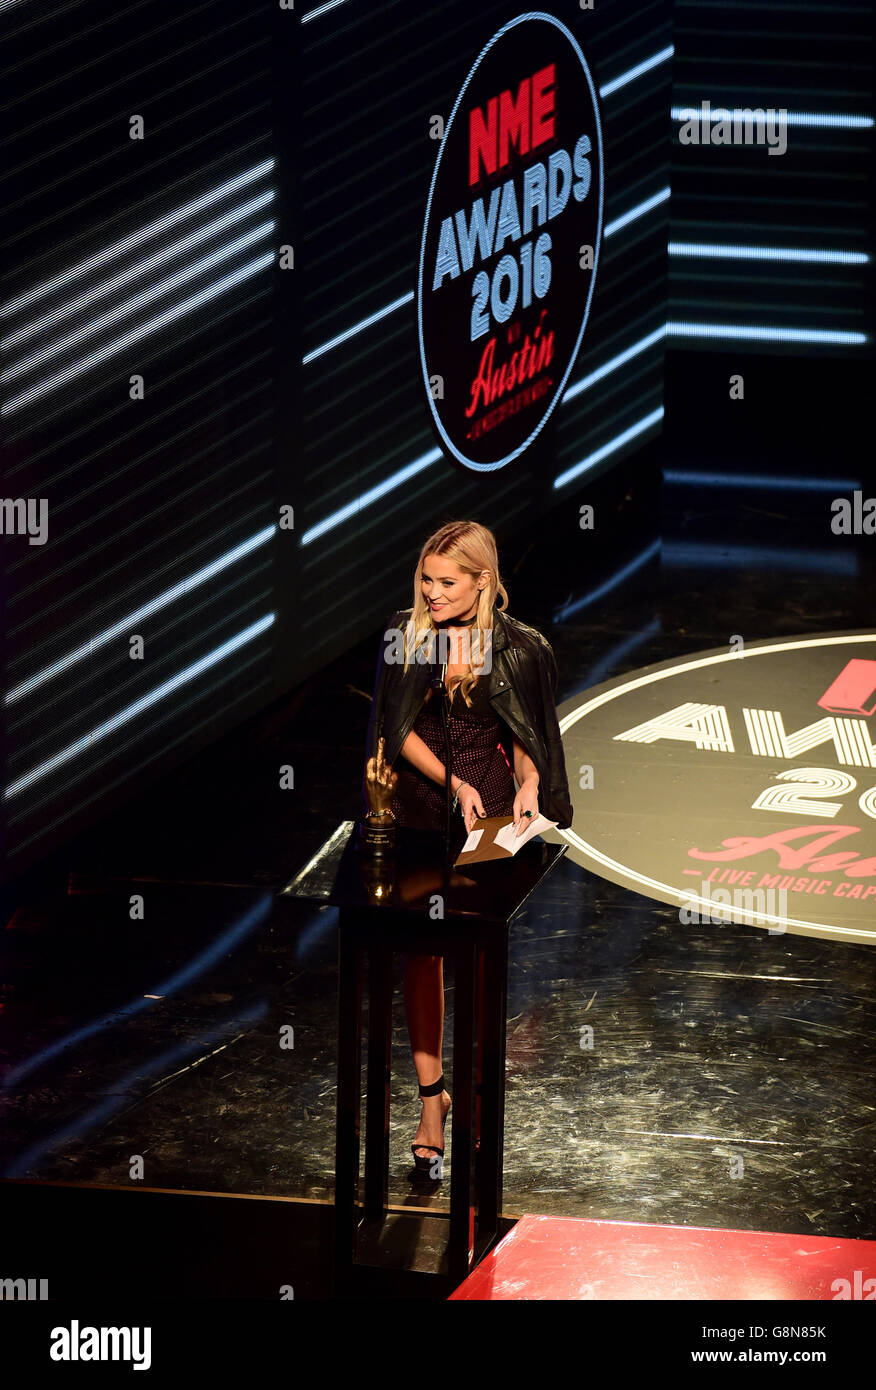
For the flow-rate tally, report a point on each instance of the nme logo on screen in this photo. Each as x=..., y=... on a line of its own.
x=510, y=244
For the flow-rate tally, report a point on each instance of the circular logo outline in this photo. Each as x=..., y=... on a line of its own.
x=515, y=453
x=660, y=671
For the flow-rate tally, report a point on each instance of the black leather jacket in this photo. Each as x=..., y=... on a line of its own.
x=522, y=691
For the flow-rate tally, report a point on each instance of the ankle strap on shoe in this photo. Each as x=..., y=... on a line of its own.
x=434, y=1090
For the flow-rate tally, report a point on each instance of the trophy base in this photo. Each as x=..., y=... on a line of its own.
x=377, y=839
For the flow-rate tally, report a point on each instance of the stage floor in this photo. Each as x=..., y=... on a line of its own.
x=730, y=1079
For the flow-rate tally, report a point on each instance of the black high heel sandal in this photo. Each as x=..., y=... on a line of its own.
x=422, y=1164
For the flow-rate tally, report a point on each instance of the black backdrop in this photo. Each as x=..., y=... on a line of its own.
x=160, y=391
x=171, y=392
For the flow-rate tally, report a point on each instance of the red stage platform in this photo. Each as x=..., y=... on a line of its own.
x=555, y=1258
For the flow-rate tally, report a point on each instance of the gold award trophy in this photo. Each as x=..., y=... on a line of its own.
x=377, y=830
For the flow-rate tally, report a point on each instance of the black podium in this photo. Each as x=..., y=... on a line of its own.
x=411, y=903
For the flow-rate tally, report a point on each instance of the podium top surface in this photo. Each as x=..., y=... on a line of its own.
x=343, y=874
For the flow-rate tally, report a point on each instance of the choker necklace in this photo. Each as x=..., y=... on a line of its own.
x=457, y=622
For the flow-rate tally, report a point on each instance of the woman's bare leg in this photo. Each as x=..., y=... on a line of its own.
x=424, y=1009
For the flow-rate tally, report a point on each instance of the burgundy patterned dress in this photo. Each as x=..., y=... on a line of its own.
x=476, y=757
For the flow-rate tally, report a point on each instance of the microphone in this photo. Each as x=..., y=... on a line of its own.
x=439, y=687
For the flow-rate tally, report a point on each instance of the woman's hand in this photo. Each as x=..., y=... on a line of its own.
x=526, y=800
x=470, y=804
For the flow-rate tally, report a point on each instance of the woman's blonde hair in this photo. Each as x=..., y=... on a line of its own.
x=473, y=548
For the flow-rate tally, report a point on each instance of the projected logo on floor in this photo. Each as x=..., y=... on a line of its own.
x=510, y=243
x=740, y=787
